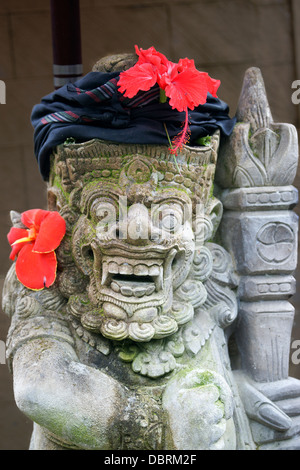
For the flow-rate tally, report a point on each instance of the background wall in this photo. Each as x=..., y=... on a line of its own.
x=223, y=37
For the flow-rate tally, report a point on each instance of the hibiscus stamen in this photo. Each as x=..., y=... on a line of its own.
x=31, y=237
x=23, y=240
x=171, y=148
x=183, y=137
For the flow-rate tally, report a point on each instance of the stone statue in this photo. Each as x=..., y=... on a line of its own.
x=168, y=325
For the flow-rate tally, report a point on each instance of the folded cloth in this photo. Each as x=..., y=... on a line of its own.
x=94, y=108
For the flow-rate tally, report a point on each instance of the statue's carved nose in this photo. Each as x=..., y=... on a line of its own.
x=135, y=228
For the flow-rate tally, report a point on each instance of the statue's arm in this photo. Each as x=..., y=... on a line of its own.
x=75, y=402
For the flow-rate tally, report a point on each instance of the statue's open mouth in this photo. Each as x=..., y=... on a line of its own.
x=133, y=277
x=144, y=276
x=132, y=292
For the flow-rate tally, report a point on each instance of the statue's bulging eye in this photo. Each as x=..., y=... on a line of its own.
x=103, y=212
x=169, y=222
x=168, y=217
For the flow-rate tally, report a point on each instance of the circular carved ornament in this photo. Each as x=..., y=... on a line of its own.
x=139, y=171
x=275, y=242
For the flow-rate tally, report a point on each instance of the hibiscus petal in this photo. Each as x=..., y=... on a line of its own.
x=15, y=234
x=51, y=233
x=187, y=90
x=213, y=85
x=34, y=217
x=185, y=64
x=15, y=250
x=139, y=77
x=36, y=270
x=151, y=56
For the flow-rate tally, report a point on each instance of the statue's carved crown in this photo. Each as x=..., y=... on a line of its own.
x=192, y=169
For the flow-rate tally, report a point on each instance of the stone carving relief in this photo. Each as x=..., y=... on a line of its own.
x=257, y=166
x=142, y=292
x=150, y=336
x=142, y=276
x=258, y=146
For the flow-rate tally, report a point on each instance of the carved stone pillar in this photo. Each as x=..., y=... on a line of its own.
x=260, y=230
x=264, y=245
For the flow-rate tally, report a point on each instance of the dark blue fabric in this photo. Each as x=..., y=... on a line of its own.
x=113, y=120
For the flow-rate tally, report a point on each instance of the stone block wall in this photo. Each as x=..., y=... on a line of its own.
x=223, y=37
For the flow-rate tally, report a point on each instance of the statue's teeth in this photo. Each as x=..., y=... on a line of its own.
x=113, y=268
x=139, y=291
x=126, y=290
x=125, y=268
x=151, y=268
x=159, y=279
x=132, y=290
x=115, y=286
x=150, y=290
x=154, y=271
x=141, y=270
x=105, y=274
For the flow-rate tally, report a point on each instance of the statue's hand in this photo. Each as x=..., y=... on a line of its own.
x=273, y=409
x=199, y=403
x=72, y=401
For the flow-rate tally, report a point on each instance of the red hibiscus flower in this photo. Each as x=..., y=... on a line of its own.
x=139, y=77
x=34, y=247
x=182, y=83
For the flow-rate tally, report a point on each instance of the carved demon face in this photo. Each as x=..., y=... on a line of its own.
x=135, y=242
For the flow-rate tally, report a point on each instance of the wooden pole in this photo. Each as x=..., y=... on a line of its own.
x=66, y=41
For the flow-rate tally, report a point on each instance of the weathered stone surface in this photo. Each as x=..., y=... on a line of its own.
x=264, y=331
x=257, y=166
x=271, y=287
x=259, y=151
x=251, y=199
x=142, y=294
x=262, y=242
x=154, y=335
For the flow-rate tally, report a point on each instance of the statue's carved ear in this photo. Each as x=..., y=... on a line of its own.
x=215, y=212
x=55, y=199
x=52, y=200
